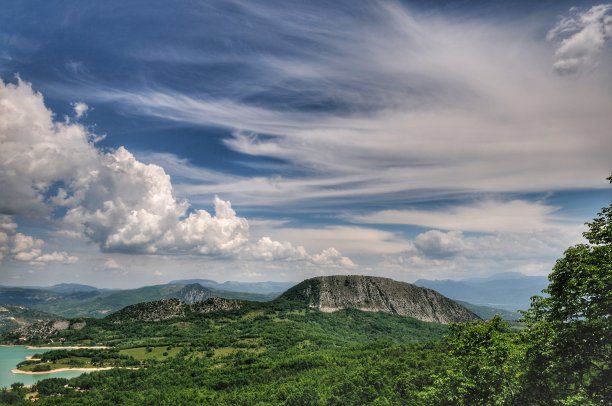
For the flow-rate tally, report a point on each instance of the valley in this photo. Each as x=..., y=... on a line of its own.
x=227, y=351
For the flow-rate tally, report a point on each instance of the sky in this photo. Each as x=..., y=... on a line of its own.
x=143, y=142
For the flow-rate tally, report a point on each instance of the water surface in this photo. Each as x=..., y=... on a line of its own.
x=10, y=356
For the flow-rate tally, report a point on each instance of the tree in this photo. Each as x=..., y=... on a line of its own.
x=485, y=366
x=570, y=330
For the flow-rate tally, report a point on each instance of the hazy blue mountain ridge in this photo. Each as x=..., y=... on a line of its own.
x=509, y=291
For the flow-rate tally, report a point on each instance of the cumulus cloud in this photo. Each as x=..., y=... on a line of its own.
x=115, y=200
x=25, y=248
x=37, y=151
x=111, y=264
x=437, y=244
x=332, y=257
x=452, y=254
x=7, y=227
x=582, y=36
x=129, y=206
x=268, y=250
x=60, y=257
x=80, y=109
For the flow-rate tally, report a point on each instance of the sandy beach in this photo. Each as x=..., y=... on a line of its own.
x=18, y=371
x=68, y=347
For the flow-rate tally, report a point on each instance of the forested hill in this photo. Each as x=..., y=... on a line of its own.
x=370, y=293
x=73, y=301
x=172, y=308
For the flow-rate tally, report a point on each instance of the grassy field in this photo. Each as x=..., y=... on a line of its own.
x=151, y=353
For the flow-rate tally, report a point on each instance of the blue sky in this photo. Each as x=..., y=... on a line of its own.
x=150, y=141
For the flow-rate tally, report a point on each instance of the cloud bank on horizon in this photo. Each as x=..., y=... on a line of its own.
x=379, y=138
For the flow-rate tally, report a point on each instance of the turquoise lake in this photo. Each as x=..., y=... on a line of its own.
x=12, y=355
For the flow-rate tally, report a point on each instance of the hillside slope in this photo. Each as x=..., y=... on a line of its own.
x=68, y=301
x=13, y=316
x=369, y=293
x=171, y=308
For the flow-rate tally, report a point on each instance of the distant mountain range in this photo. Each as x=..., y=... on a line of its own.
x=503, y=295
x=264, y=288
x=326, y=294
x=73, y=300
x=510, y=291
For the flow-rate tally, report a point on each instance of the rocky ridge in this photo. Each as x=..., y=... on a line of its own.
x=171, y=308
x=15, y=316
x=44, y=329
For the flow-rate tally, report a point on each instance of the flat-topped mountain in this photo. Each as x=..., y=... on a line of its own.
x=376, y=294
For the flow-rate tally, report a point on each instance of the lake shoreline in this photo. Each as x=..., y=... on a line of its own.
x=51, y=371
x=67, y=347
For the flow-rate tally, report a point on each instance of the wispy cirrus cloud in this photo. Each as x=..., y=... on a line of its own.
x=360, y=117
x=582, y=37
x=400, y=102
x=481, y=216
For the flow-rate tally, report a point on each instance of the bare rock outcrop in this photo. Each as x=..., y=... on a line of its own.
x=45, y=329
x=171, y=309
x=376, y=294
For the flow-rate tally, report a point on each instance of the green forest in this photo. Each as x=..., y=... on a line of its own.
x=280, y=353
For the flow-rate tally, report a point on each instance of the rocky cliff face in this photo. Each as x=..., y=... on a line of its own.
x=215, y=304
x=44, y=329
x=194, y=293
x=369, y=293
x=14, y=316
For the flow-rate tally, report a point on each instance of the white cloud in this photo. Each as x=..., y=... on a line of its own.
x=428, y=105
x=436, y=244
x=129, y=206
x=269, y=250
x=111, y=264
x=332, y=257
x=7, y=224
x=7, y=227
x=60, y=257
x=118, y=202
x=350, y=240
x=483, y=216
x=36, y=151
x=25, y=248
x=454, y=255
x=80, y=109
x=582, y=36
